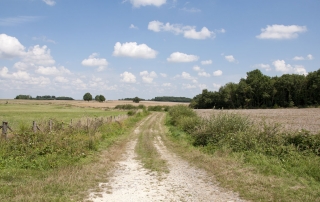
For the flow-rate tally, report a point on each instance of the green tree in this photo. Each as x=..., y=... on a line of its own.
x=136, y=100
x=102, y=98
x=97, y=98
x=87, y=97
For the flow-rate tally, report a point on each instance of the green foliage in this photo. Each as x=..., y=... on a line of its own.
x=99, y=98
x=158, y=108
x=87, y=97
x=131, y=112
x=178, y=111
x=64, y=98
x=171, y=99
x=261, y=91
x=263, y=145
x=126, y=107
x=64, y=145
x=26, y=97
x=136, y=100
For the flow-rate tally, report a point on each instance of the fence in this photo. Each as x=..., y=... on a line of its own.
x=83, y=122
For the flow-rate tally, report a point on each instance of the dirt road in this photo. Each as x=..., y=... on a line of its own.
x=132, y=182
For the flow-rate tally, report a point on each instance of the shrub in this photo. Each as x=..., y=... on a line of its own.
x=179, y=111
x=131, y=112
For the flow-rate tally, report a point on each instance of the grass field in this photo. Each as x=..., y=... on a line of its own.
x=16, y=113
x=64, y=163
x=290, y=119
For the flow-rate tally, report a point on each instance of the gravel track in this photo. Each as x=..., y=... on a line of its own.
x=131, y=182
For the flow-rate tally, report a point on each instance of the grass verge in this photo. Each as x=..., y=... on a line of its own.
x=69, y=180
x=145, y=148
x=258, y=164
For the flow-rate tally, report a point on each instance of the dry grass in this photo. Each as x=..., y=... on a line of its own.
x=233, y=174
x=145, y=148
x=94, y=104
x=290, y=119
x=71, y=183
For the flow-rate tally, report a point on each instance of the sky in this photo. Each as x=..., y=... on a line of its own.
x=148, y=48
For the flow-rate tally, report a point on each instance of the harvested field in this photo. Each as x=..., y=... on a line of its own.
x=81, y=103
x=290, y=119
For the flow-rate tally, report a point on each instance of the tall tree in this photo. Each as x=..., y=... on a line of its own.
x=87, y=97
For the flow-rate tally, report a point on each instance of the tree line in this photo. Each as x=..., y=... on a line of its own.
x=171, y=99
x=260, y=91
x=45, y=97
x=98, y=98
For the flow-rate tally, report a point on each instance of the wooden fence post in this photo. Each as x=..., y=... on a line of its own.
x=50, y=125
x=34, y=127
x=4, y=129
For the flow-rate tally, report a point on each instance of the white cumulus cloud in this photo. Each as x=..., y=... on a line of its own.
x=94, y=61
x=61, y=79
x=298, y=58
x=188, y=86
x=132, y=26
x=201, y=72
x=203, y=34
x=19, y=75
x=187, y=31
x=230, y=58
x=310, y=57
x=202, y=86
x=10, y=47
x=217, y=73
x=281, y=66
x=39, y=55
x=263, y=66
x=182, y=57
x=204, y=74
x=138, y=3
x=52, y=70
x=148, y=77
x=166, y=84
x=163, y=75
x=281, y=32
x=206, y=62
x=216, y=86
x=128, y=77
x=187, y=76
x=299, y=69
x=49, y=2
x=132, y=49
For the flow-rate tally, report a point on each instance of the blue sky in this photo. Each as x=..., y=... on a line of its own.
x=148, y=48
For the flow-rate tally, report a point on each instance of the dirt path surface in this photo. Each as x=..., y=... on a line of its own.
x=132, y=182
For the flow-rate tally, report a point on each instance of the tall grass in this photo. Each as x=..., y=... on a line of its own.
x=29, y=162
x=265, y=146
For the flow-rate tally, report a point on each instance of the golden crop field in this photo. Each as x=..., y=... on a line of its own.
x=290, y=119
x=94, y=104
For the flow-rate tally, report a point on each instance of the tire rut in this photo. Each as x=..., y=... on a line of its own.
x=132, y=182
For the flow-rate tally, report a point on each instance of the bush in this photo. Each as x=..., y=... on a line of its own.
x=126, y=107
x=131, y=112
x=179, y=111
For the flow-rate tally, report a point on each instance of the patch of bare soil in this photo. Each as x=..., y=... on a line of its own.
x=290, y=119
x=132, y=182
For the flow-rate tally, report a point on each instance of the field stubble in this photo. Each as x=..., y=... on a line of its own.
x=290, y=119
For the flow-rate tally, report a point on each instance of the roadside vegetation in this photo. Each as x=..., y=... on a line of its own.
x=64, y=163
x=146, y=149
x=260, y=161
